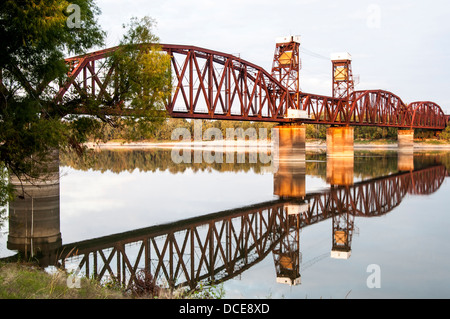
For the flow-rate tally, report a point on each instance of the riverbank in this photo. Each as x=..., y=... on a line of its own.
x=245, y=145
x=26, y=280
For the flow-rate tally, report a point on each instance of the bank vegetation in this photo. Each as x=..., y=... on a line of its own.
x=26, y=280
x=252, y=130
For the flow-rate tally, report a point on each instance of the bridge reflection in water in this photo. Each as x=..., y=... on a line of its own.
x=219, y=246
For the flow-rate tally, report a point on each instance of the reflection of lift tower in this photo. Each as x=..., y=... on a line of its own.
x=287, y=255
x=343, y=225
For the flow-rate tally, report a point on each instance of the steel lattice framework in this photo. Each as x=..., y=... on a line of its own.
x=213, y=85
x=220, y=246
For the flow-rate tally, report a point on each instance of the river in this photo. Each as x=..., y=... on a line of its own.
x=374, y=227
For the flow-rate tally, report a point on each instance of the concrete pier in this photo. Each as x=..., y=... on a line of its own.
x=34, y=218
x=289, y=143
x=405, y=141
x=340, y=141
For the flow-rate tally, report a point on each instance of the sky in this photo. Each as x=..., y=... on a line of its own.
x=399, y=46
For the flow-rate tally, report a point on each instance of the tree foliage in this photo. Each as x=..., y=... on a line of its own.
x=36, y=38
x=143, y=78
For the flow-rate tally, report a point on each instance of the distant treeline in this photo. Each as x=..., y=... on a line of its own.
x=313, y=131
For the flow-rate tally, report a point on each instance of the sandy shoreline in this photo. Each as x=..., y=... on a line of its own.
x=251, y=144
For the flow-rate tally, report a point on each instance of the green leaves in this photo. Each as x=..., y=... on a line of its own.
x=35, y=39
x=36, y=36
x=142, y=79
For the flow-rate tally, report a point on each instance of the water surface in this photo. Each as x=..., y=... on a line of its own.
x=316, y=230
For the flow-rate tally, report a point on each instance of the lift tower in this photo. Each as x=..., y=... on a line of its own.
x=343, y=83
x=286, y=65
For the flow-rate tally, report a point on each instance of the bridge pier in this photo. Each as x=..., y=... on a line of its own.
x=405, y=141
x=289, y=161
x=289, y=143
x=34, y=220
x=340, y=141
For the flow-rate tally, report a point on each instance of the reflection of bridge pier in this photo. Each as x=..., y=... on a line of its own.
x=34, y=224
x=289, y=182
x=405, y=161
x=287, y=255
x=340, y=173
x=340, y=170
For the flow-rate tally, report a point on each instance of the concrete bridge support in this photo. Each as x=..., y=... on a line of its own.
x=34, y=219
x=288, y=159
x=289, y=143
x=340, y=141
x=405, y=141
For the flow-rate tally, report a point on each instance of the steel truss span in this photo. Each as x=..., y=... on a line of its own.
x=214, y=85
x=222, y=245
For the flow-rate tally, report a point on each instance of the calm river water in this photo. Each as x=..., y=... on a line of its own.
x=374, y=227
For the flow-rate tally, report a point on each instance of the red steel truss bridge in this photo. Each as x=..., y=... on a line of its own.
x=220, y=246
x=213, y=85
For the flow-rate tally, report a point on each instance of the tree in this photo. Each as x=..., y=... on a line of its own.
x=142, y=80
x=36, y=37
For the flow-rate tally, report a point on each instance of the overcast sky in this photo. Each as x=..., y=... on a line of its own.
x=399, y=46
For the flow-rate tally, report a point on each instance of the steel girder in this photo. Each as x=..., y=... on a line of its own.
x=213, y=85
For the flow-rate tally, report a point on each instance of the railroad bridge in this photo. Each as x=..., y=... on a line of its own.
x=217, y=86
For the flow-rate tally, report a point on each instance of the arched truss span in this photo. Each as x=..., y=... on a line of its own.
x=383, y=108
x=213, y=85
x=427, y=114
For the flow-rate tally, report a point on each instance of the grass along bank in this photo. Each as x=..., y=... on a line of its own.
x=21, y=280
x=27, y=281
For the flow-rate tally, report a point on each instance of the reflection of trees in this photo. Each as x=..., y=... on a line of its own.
x=150, y=160
x=367, y=164
x=427, y=158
